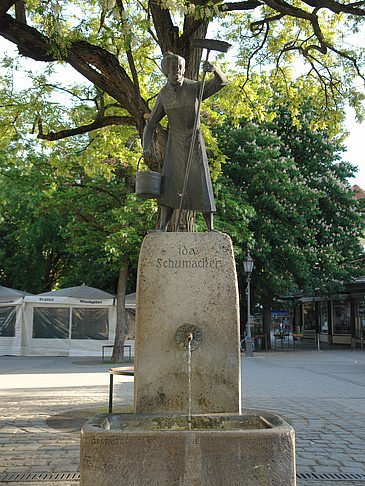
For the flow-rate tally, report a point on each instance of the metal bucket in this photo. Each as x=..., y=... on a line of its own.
x=148, y=183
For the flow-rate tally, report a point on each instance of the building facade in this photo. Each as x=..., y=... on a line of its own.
x=337, y=319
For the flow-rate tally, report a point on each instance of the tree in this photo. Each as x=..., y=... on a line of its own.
x=32, y=239
x=60, y=230
x=106, y=226
x=115, y=45
x=306, y=223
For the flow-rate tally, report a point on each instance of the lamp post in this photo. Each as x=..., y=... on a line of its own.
x=248, y=264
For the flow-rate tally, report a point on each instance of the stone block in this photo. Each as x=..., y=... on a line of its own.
x=187, y=278
x=221, y=450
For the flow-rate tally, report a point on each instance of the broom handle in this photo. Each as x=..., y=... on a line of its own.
x=191, y=149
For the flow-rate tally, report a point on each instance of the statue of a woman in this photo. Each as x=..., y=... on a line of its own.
x=178, y=100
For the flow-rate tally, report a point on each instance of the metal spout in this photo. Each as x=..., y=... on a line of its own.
x=188, y=334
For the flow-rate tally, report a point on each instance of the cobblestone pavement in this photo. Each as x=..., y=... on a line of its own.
x=322, y=394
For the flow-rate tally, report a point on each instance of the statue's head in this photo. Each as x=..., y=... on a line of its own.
x=173, y=67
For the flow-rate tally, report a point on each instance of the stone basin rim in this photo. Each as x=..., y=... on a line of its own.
x=107, y=423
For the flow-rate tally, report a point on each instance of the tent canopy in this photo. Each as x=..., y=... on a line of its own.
x=130, y=301
x=74, y=321
x=11, y=301
x=80, y=292
x=6, y=293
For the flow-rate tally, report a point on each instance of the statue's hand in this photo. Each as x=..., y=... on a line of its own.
x=147, y=154
x=208, y=67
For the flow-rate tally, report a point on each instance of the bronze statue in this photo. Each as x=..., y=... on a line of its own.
x=178, y=100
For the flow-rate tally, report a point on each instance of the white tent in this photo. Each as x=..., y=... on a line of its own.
x=76, y=321
x=130, y=307
x=11, y=313
x=130, y=301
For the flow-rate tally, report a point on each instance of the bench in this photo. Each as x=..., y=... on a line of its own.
x=118, y=347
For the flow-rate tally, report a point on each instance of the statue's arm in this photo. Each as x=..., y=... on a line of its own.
x=216, y=83
x=155, y=117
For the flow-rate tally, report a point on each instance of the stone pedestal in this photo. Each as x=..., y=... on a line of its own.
x=187, y=278
x=187, y=281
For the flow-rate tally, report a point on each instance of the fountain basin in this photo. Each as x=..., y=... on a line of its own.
x=252, y=449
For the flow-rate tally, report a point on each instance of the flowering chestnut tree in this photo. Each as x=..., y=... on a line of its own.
x=306, y=222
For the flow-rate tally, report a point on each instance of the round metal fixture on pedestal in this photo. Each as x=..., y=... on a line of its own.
x=188, y=332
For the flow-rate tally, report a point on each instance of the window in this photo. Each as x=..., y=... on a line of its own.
x=298, y=318
x=51, y=322
x=309, y=316
x=341, y=317
x=323, y=316
x=90, y=324
x=7, y=321
x=361, y=331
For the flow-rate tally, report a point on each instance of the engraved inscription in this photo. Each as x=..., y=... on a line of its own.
x=188, y=258
x=183, y=250
x=179, y=263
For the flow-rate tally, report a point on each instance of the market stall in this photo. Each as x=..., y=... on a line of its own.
x=11, y=317
x=76, y=321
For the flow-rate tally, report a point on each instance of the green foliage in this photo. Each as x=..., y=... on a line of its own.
x=79, y=188
x=252, y=98
x=306, y=224
x=285, y=50
x=32, y=239
x=62, y=230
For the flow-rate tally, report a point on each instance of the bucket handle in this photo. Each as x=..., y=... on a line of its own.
x=139, y=160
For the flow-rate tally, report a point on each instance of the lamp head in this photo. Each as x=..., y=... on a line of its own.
x=248, y=264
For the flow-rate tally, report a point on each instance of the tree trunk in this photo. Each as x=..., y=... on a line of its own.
x=186, y=224
x=267, y=305
x=118, y=351
x=193, y=55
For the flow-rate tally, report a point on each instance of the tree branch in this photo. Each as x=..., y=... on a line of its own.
x=266, y=20
x=349, y=58
x=337, y=7
x=287, y=9
x=90, y=220
x=253, y=54
x=109, y=76
x=30, y=42
x=65, y=90
x=20, y=11
x=130, y=58
x=5, y=5
x=105, y=62
x=99, y=123
x=247, y=5
x=327, y=82
x=165, y=29
x=95, y=188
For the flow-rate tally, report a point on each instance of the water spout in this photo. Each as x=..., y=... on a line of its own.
x=188, y=337
x=189, y=383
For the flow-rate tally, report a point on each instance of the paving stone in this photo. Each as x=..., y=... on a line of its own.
x=308, y=389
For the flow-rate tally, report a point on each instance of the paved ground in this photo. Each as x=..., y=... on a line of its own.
x=43, y=402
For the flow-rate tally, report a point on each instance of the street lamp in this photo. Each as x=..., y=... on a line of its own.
x=248, y=264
